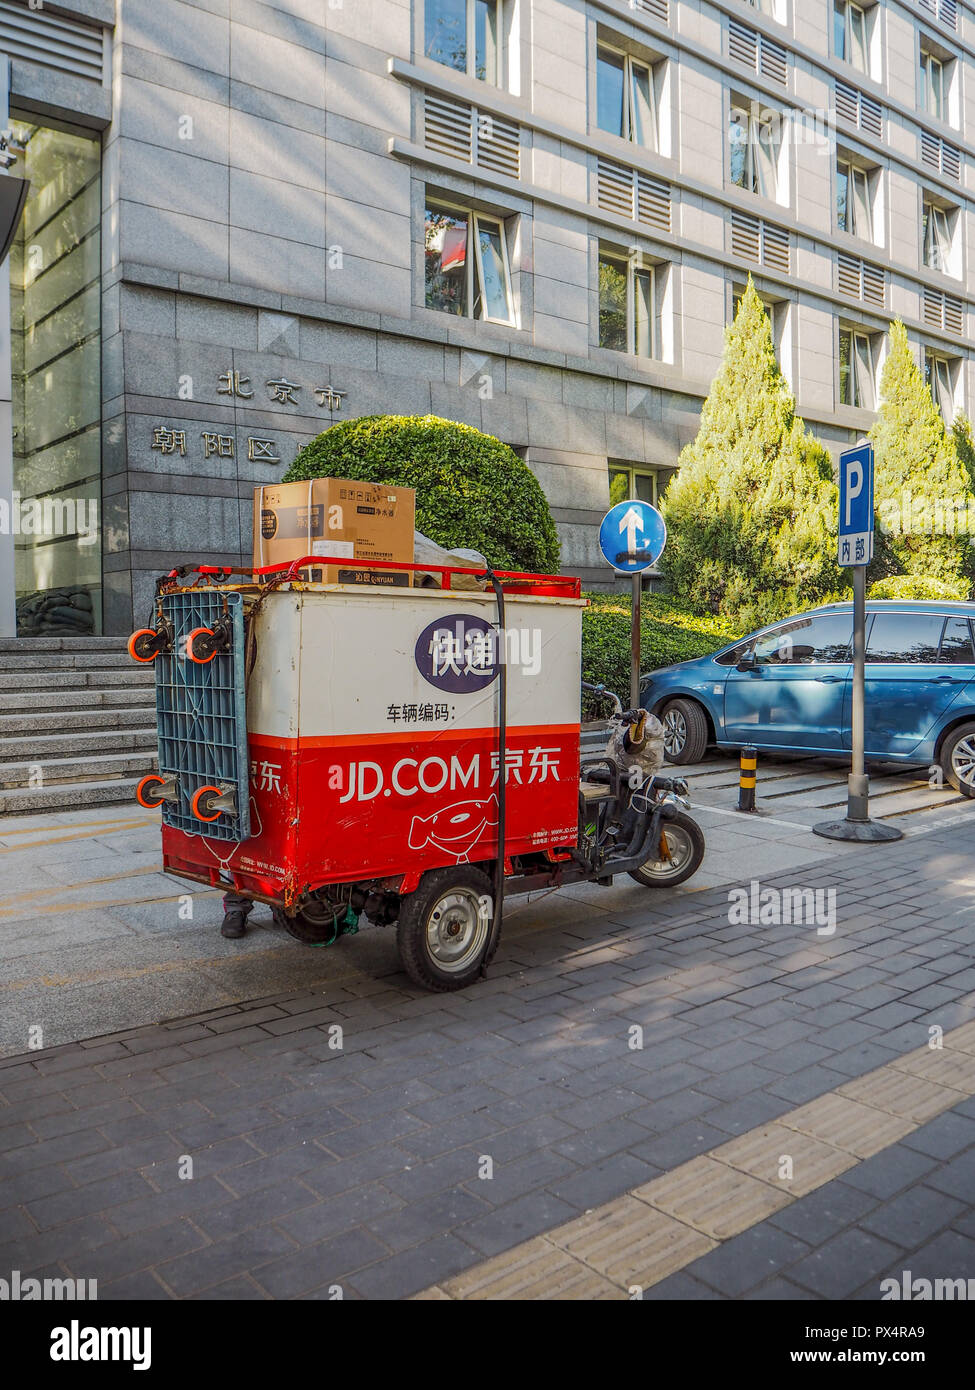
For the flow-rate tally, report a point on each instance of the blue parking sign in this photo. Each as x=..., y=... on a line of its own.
x=856, y=506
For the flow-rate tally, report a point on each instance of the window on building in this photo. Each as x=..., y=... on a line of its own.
x=850, y=40
x=464, y=35
x=466, y=264
x=854, y=202
x=635, y=482
x=627, y=314
x=769, y=7
x=936, y=239
x=753, y=138
x=939, y=373
x=858, y=370
x=626, y=103
x=934, y=85
x=55, y=353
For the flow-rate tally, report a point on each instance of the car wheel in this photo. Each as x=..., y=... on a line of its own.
x=957, y=759
x=685, y=731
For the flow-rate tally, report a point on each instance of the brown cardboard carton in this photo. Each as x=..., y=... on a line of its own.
x=348, y=522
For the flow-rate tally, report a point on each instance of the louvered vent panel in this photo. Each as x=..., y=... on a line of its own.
x=653, y=202
x=37, y=36
x=614, y=188
x=954, y=315
x=874, y=286
x=498, y=145
x=775, y=248
x=743, y=44
x=774, y=61
x=930, y=150
x=660, y=9
x=746, y=237
x=950, y=161
x=850, y=275
x=448, y=127
x=871, y=116
x=944, y=311
x=847, y=103
x=933, y=308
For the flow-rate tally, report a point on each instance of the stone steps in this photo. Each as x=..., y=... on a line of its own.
x=70, y=702
x=77, y=724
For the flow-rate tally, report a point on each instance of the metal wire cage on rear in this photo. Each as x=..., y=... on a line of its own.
x=200, y=715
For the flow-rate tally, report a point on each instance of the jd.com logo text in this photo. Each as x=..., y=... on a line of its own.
x=756, y=906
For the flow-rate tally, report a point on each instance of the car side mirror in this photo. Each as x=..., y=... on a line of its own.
x=746, y=662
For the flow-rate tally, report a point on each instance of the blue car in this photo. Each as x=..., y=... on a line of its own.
x=788, y=689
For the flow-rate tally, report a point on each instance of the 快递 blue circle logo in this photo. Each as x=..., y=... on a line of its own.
x=458, y=653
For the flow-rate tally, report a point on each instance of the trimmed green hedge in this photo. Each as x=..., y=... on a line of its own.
x=669, y=633
x=472, y=491
x=919, y=586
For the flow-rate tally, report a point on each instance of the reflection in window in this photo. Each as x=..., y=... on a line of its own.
x=808, y=641
x=850, y=34
x=938, y=375
x=463, y=34
x=854, y=213
x=754, y=147
x=625, y=98
x=55, y=349
x=936, y=237
x=857, y=371
x=956, y=644
x=934, y=86
x=639, y=484
x=466, y=265
x=904, y=638
x=626, y=306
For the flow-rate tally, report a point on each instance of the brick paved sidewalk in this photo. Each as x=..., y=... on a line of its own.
x=318, y=1165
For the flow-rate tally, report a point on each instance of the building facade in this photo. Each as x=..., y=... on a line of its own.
x=248, y=221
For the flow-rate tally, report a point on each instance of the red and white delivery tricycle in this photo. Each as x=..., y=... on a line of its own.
x=405, y=753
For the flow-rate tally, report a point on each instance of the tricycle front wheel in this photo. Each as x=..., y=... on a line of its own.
x=444, y=928
x=678, y=857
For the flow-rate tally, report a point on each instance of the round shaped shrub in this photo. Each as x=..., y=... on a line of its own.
x=471, y=490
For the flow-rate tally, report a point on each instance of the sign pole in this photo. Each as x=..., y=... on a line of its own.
x=632, y=536
x=635, y=642
x=856, y=550
x=857, y=808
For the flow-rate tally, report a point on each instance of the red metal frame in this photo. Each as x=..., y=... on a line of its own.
x=514, y=581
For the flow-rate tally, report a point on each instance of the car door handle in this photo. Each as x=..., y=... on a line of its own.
x=944, y=680
x=830, y=680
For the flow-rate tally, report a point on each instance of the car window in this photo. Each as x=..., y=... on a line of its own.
x=956, y=644
x=906, y=638
x=807, y=642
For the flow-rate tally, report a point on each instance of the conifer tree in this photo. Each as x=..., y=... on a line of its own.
x=923, y=489
x=751, y=513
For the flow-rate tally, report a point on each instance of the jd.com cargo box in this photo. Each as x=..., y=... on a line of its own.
x=349, y=522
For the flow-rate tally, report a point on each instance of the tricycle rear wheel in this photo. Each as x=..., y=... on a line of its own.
x=444, y=928
x=317, y=923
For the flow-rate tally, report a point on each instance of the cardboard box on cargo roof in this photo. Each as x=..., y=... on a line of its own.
x=342, y=520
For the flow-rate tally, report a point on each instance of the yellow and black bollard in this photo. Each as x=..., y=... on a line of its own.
x=747, y=779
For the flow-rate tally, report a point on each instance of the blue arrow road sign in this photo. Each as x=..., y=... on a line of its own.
x=632, y=536
x=856, y=506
